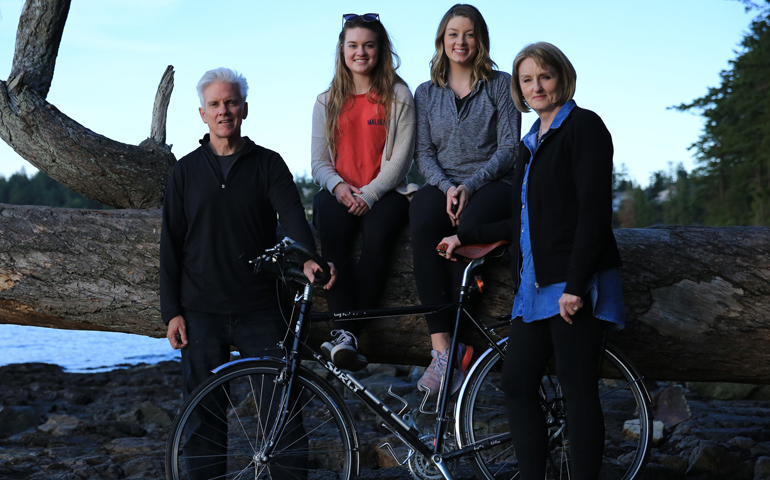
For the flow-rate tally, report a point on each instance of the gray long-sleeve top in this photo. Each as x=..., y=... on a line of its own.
x=474, y=146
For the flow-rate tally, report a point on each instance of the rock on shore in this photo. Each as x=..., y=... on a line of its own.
x=114, y=425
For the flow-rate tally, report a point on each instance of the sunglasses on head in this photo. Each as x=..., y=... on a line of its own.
x=366, y=17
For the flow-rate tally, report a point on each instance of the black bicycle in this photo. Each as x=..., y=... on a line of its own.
x=275, y=418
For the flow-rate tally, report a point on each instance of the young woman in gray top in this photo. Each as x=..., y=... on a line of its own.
x=467, y=135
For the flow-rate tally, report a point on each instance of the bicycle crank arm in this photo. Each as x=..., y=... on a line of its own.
x=438, y=461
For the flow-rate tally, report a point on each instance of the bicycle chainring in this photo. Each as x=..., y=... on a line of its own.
x=422, y=468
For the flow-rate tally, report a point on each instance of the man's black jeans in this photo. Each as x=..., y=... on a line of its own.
x=209, y=337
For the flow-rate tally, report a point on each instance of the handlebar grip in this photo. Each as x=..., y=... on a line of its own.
x=321, y=278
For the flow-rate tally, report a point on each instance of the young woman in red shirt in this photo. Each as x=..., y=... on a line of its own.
x=362, y=146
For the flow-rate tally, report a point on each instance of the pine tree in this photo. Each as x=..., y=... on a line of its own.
x=733, y=152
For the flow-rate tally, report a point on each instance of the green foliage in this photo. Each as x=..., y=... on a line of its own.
x=40, y=189
x=733, y=152
x=670, y=199
x=307, y=190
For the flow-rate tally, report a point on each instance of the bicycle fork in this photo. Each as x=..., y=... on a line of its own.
x=286, y=380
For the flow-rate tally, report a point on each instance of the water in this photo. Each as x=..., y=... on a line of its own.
x=80, y=351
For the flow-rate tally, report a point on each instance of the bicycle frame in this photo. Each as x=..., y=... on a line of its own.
x=400, y=426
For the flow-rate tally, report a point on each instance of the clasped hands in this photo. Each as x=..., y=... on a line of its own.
x=345, y=195
x=456, y=200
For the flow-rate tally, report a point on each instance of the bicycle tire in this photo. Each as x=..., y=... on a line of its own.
x=233, y=402
x=481, y=414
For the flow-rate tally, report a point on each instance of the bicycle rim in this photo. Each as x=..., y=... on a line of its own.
x=222, y=429
x=482, y=416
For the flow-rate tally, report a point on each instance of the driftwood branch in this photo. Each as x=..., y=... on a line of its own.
x=110, y=172
x=37, y=42
x=695, y=297
x=160, y=109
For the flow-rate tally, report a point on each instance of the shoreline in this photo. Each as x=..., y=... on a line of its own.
x=114, y=425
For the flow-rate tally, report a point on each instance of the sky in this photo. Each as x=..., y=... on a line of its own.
x=633, y=60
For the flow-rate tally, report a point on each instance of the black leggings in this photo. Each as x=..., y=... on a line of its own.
x=578, y=349
x=438, y=280
x=358, y=286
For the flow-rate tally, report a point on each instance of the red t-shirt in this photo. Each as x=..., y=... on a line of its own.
x=360, y=141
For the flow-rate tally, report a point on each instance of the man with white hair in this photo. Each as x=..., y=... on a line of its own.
x=220, y=208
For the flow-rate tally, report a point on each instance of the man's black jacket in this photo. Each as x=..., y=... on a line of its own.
x=211, y=225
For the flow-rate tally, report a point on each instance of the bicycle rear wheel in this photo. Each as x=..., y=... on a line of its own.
x=222, y=429
x=481, y=416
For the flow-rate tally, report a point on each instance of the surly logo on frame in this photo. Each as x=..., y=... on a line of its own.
x=349, y=382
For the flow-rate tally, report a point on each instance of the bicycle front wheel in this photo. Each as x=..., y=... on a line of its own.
x=627, y=416
x=224, y=426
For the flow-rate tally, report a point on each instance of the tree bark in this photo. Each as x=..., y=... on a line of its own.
x=160, y=109
x=110, y=172
x=37, y=43
x=695, y=297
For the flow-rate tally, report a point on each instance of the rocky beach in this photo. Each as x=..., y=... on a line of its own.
x=114, y=425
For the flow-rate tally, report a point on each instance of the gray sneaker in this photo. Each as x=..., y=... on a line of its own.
x=343, y=351
x=436, y=371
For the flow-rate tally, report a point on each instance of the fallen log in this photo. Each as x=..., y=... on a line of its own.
x=695, y=297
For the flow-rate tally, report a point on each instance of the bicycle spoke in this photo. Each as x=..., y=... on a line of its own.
x=481, y=415
x=237, y=417
x=315, y=441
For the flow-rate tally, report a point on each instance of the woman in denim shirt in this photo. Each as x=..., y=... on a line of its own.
x=565, y=263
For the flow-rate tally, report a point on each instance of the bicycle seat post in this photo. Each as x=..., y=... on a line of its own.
x=446, y=387
x=467, y=274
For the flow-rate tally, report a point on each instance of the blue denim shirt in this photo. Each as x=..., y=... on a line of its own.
x=534, y=302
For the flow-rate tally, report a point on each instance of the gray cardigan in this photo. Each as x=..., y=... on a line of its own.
x=396, y=157
x=474, y=146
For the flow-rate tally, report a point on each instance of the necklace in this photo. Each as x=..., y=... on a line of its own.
x=460, y=97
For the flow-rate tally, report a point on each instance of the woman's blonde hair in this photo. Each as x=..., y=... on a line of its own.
x=383, y=78
x=546, y=56
x=482, y=65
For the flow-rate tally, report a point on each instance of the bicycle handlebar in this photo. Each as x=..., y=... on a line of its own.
x=275, y=261
x=297, y=247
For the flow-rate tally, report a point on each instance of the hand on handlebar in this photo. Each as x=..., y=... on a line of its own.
x=450, y=243
x=311, y=268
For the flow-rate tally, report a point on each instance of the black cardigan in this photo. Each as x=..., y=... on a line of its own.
x=212, y=224
x=570, y=205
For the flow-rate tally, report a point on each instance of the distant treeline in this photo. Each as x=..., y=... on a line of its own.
x=40, y=189
x=729, y=186
x=672, y=198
